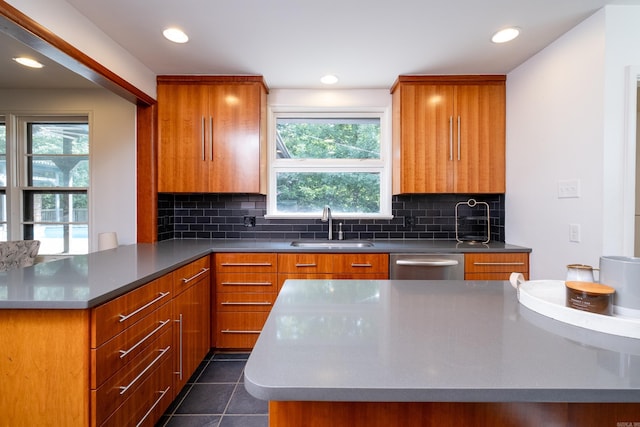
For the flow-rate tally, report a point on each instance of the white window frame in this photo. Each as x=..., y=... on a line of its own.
x=15, y=123
x=382, y=165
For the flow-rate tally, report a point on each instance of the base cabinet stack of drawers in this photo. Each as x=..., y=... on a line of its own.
x=146, y=344
x=245, y=292
x=495, y=266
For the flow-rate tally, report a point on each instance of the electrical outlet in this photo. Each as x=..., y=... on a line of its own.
x=574, y=233
x=569, y=188
x=409, y=221
x=249, y=221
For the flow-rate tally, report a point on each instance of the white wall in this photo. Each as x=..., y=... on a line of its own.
x=566, y=120
x=113, y=151
x=65, y=21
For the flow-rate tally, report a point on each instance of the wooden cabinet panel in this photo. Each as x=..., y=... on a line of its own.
x=126, y=382
x=212, y=134
x=191, y=273
x=449, y=134
x=113, y=317
x=495, y=266
x=361, y=263
x=124, y=347
x=305, y=263
x=245, y=262
x=282, y=277
x=246, y=282
x=245, y=301
x=239, y=330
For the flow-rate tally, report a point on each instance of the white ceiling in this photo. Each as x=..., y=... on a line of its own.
x=367, y=43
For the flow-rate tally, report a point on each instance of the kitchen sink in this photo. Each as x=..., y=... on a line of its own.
x=332, y=243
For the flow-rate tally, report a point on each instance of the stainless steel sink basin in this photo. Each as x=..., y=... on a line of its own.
x=332, y=243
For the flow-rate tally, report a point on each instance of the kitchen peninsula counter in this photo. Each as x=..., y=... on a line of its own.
x=453, y=349
x=85, y=281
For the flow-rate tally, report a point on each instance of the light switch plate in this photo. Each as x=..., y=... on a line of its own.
x=568, y=188
x=574, y=233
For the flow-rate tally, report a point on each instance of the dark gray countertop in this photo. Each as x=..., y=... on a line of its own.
x=84, y=281
x=431, y=341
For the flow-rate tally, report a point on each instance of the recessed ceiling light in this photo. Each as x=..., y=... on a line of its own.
x=505, y=35
x=28, y=62
x=329, y=79
x=175, y=35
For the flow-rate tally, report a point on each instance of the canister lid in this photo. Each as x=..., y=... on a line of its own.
x=590, y=287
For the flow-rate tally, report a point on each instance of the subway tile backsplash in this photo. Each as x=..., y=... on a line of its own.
x=221, y=216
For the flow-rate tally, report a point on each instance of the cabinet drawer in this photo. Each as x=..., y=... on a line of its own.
x=121, y=349
x=492, y=276
x=113, y=317
x=245, y=301
x=361, y=263
x=496, y=262
x=246, y=282
x=246, y=262
x=239, y=330
x=148, y=402
x=301, y=276
x=191, y=274
x=305, y=263
x=126, y=383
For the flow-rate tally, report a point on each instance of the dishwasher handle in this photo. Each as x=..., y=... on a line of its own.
x=427, y=263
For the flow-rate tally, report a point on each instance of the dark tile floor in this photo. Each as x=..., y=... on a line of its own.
x=215, y=397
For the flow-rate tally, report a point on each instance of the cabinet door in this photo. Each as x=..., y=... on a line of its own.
x=480, y=139
x=426, y=140
x=235, y=137
x=182, y=120
x=192, y=330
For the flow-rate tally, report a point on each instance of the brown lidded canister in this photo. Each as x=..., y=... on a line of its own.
x=590, y=296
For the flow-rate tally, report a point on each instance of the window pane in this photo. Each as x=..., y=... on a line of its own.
x=55, y=207
x=59, y=238
x=59, y=171
x=345, y=192
x=328, y=138
x=59, y=138
x=3, y=154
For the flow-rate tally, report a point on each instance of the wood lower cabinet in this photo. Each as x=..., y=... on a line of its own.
x=212, y=134
x=192, y=318
x=112, y=365
x=449, y=134
x=245, y=292
x=495, y=266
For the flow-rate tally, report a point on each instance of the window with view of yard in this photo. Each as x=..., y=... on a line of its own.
x=335, y=159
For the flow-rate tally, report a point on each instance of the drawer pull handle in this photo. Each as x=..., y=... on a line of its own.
x=124, y=353
x=246, y=264
x=124, y=317
x=498, y=263
x=245, y=303
x=246, y=283
x=306, y=265
x=195, y=276
x=361, y=265
x=123, y=389
x=162, y=393
x=234, y=331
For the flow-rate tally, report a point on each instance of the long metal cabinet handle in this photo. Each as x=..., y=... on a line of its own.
x=306, y=265
x=234, y=331
x=124, y=317
x=428, y=263
x=458, y=138
x=246, y=264
x=353, y=264
x=450, y=137
x=211, y=136
x=195, y=276
x=123, y=389
x=179, y=373
x=202, y=139
x=245, y=303
x=498, y=263
x=246, y=283
x=124, y=353
x=162, y=393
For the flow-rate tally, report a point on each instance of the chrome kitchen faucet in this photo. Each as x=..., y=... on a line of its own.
x=326, y=217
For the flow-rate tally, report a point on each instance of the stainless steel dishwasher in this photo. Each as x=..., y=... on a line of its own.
x=426, y=266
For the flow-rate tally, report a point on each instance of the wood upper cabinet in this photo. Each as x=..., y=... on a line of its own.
x=449, y=134
x=212, y=134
